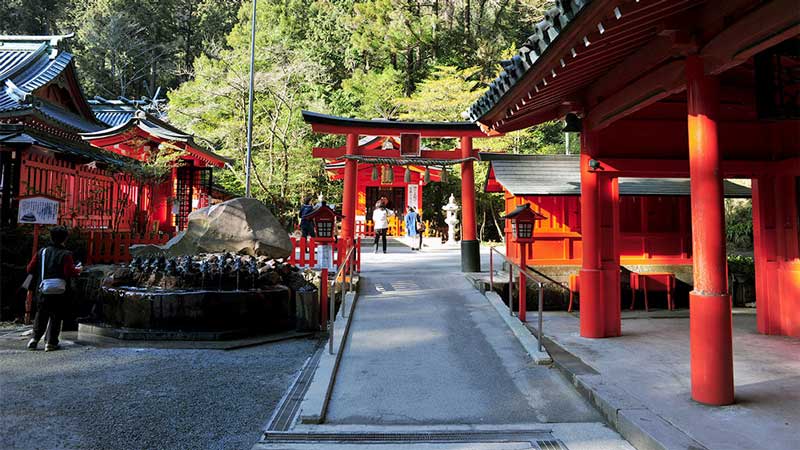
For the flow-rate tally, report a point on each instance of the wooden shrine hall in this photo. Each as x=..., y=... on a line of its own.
x=358, y=153
x=654, y=213
x=704, y=90
x=402, y=186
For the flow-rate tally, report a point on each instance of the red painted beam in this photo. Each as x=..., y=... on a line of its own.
x=336, y=153
x=379, y=130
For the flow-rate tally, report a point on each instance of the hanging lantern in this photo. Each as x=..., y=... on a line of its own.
x=375, y=174
x=427, y=175
x=444, y=174
x=407, y=176
x=387, y=174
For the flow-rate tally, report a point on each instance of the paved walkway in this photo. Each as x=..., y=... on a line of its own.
x=650, y=362
x=427, y=353
x=426, y=348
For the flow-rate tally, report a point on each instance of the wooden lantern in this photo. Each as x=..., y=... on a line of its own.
x=523, y=219
x=324, y=219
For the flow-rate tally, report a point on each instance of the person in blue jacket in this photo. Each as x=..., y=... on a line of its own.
x=306, y=225
x=413, y=223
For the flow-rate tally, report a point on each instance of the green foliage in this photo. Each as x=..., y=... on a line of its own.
x=739, y=225
x=405, y=59
x=742, y=265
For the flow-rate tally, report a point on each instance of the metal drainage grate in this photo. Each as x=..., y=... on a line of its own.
x=286, y=411
x=427, y=437
x=552, y=444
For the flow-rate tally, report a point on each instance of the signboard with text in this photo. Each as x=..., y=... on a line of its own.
x=38, y=210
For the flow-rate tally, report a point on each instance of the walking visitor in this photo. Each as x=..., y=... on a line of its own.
x=380, y=219
x=51, y=269
x=414, y=228
x=306, y=226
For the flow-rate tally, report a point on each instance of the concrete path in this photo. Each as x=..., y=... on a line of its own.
x=427, y=348
x=429, y=364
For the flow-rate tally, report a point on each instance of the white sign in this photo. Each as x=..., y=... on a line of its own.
x=412, y=197
x=325, y=257
x=38, y=210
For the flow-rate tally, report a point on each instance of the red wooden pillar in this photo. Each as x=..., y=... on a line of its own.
x=709, y=302
x=608, y=206
x=592, y=322
x=523, y=284
x=470, y=247
x=349, y=193
x=776, y=228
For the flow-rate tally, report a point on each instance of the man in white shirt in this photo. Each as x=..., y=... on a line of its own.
x=380, y=220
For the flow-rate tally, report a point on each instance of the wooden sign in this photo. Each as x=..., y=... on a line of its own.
x=409, y=144
x=39, y=210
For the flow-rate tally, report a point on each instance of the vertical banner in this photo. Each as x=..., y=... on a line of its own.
x=412, y=196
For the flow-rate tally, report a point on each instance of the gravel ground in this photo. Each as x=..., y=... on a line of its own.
x=128, y=398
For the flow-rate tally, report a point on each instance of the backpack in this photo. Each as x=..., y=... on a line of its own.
x=51, y=286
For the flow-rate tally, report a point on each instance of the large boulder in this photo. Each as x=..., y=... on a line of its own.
x=242, y=225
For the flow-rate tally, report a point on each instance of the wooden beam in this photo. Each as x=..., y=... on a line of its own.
x=378, y=130
x=668, y=79
x=534, y=119
x=679, y=168
x=663, y=47
x=770, y=24
x=335, y=153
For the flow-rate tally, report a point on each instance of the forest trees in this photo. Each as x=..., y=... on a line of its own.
x=393, y=59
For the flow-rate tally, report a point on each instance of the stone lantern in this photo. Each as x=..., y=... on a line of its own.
x=451, y=208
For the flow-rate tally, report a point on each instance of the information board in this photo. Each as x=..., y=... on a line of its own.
x=38, y=210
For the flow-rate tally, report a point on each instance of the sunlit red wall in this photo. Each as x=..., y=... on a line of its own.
x=653, y=230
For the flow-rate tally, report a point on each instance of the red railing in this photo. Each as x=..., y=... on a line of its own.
x=91, y=198
x=304, y=252
x=104, y=247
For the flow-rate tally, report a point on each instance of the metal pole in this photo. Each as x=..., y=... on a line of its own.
x=541, y=307
x=248, y=161
x=332, y=314
x=566, y=141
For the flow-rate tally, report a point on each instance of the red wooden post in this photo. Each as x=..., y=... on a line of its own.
x=349, y=193
x=470, y=248
x=358, y=255
x=312, y=252
x=709, y=306
x=323, y=298
x=523, y=283
x=592, y=324
x=29, y=294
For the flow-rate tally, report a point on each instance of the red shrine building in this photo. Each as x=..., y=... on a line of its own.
x=704, y=90
x=654, y=213
x=90, y=154
x=403, y=186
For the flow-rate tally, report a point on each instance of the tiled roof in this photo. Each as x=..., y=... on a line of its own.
x=117, y=112
x=560, y=175
x=160, y=129
x=28, y=63
x=555, y=21
x=21, y=135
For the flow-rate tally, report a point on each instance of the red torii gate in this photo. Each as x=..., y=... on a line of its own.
x=465, y=155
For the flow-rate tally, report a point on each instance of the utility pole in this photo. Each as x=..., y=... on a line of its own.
x=248, y=161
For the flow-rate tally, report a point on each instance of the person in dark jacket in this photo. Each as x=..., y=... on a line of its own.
x=306, y=225
x=50, y=308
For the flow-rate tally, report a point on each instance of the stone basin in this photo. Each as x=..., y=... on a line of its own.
x=263, y=309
